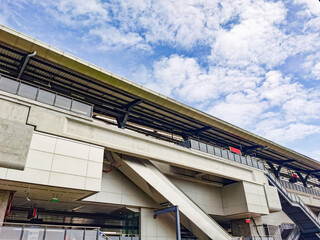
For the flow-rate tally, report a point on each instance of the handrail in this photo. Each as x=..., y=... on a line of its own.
x=294, y=234
x=293, y=199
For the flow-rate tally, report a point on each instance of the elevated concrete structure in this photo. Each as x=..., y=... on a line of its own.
x=83, y=147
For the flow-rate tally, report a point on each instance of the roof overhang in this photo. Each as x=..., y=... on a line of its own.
x=55, y=56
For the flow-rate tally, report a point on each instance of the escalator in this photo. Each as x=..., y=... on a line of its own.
x=147, y=174
x=306, y=221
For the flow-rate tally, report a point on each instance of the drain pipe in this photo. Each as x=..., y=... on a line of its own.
x=25, y=63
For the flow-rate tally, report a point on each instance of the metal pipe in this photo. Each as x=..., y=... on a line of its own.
x=25, y=63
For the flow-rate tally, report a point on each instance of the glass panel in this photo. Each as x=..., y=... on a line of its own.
x=231, y=155
x=104, y=238
x=74, y=234
x=254, y=163
x=114, y=237
x=8, y=85
x=125, y=238
x=55, y=234
x=194, y=144
x=210, y=149
x=63, y=102
x=32, y=233
x=27, y=91
x=261, y=165
x=203, y=147
x=237, y=158
x=217, y=151
x=243, y=160
x=224, y=153
x=46, y=97
x=90, y=234
x=81, y=108
x=10, y=233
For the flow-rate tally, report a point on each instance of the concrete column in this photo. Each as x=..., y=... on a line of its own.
x=163, y=227
x=4, y=198
x=240, y=228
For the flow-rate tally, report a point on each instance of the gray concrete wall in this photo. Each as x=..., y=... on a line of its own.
x=15, y=135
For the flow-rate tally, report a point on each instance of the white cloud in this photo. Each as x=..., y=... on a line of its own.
x=242, y=77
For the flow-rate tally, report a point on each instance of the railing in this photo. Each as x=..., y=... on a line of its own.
x=294, y=234
x=123, y=238
x=284, y=226
x=294, y=199
x=259, y=238
x=300, y=188
x=207, y=148
x=48, y=232
x=36, y=93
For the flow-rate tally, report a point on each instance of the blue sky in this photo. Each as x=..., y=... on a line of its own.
x=255, y=64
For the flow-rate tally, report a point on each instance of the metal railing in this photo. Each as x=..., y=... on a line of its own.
x=300, y=188
x=27, y=90
x=294, y=234
x=259, y=238
x=293, y=199
x=49, y=232
x=207, y=148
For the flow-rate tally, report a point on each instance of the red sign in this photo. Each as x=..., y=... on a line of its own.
x=248, y=220
x=235, y=150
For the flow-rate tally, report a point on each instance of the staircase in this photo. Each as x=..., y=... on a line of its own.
x=306, y=221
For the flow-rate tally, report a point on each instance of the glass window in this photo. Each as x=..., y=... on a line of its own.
x=46, y=97
x=203, y=147
x=210, y=149
x=8, y=85
x=194, y=144
x=27, y=91
x=81, y=108
x=217, y=151
x=63, y=102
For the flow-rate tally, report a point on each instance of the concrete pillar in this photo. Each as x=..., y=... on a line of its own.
x=4, y=198
x=163, y=227
x=240, y=228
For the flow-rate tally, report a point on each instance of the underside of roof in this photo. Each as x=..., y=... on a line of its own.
x=121, y=99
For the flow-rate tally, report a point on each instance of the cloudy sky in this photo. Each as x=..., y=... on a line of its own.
x=254, y=63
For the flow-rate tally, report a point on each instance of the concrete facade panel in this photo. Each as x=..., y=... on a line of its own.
x=15, y=139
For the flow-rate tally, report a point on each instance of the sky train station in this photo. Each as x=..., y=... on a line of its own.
x=86, y=154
